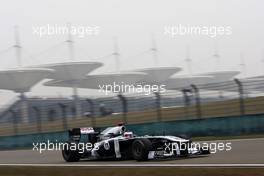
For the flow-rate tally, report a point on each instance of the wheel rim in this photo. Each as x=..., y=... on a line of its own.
x=138, y=148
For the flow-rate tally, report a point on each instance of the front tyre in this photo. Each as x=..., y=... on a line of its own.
x=141, y=148
x=70, y=155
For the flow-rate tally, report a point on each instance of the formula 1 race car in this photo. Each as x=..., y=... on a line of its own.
x=117, y=143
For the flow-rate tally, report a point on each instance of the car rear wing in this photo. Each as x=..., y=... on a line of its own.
x=75, y=133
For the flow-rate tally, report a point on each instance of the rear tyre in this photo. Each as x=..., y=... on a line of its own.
x=205, y=151
x=70, y=155
x=141, y=148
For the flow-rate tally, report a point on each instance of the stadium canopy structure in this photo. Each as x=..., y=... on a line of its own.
x=180, y=82
x=153, y=75
x=97, y=81
x=23, y=79
x=71, y=70
x=146, y=76
x=221, y=76
x=158, y=74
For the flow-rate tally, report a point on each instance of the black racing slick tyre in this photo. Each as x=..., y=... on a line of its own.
x=141, y=148
x=205, y=151
x=70, y=155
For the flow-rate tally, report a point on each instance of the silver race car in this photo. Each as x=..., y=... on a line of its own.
x=117, y=143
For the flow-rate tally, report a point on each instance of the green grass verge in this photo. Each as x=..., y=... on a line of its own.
x=158, y=171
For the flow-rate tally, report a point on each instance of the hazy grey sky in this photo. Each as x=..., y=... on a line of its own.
x=133, y=22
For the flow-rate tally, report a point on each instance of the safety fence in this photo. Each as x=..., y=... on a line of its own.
x=226, y=99
x=219, y=126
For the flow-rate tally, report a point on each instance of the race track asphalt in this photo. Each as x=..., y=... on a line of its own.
x=244, y=151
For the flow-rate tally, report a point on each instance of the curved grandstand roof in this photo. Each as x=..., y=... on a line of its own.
x=177, y=83
x=158, y=74
x=94, y=81
x=21, y=80
x=200, y=79
x=147, y=75
x=71, y=70
x=221, y=76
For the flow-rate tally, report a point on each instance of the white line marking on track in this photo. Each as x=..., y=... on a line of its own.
x=136, y=165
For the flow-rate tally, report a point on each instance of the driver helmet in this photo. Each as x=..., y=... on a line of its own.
x=128, y=134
